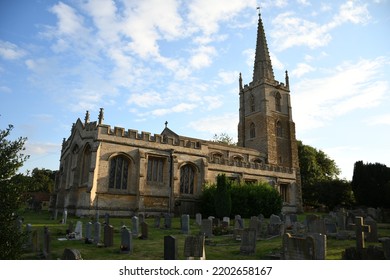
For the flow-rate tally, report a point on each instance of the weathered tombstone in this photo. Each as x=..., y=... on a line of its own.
x=372, y=212
x=79, y=230
x=194, y=247
x=64, y=216
x=206, y=228
x=167, y=221
x=71, y=254
x=255, y=224
x=360, y=230
x=198, y=219
x=275, y=226
x=108, y=236
x=331, y=229
x=311, y=247
x=248, y=241
x=157, y=220
x=107, y=218
x=185, y=224
x=316, y=226
x=135, y=226
x=372, y=235
x=170, y=248
x=341, y=219
x=238, y=222
x=126, y=241
x=226, y=219
x=46, y=242
x=88, y=233
x=96, y=236
x=141, y=218
x=144, y=231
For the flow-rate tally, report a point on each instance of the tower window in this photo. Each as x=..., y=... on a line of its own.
x=279, y=129
x=252, y=130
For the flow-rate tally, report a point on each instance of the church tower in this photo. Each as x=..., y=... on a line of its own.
x=265, y=118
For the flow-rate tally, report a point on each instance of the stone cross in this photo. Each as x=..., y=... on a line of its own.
x=360, y=229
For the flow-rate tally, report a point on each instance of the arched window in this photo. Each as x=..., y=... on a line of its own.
x=279, y=129
x=86, y=164
x=119, y=172
x=252, y=103
x=187, y=179
x=252, y=130
x=278, y=98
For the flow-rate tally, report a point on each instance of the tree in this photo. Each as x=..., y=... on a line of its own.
x=11, y=194
x=333, y=193
x=223, y=138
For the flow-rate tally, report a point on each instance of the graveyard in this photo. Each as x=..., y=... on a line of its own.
x=323, y=236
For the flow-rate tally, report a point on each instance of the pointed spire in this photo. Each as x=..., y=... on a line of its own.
x=263, y=66
x=240, y=82
x=287, y=80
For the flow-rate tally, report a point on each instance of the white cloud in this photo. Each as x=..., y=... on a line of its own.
x=182, y=107
x=302, y=69
x=10, y=51
x=5, y=89
x=348, y=88
x=202, y=57
x=145, y=100
x=383, y=119
x=304, y=2
x=228, y=77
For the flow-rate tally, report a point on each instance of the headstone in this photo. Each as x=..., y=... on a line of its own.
x=331, y=229
x=96, y=236
x=185, y=224
x=255, y=224
x=311, y=247
x=108, y=236
x=157, y=220
x=64, y=216
x=316, y=226
x=226, y=219
x=238, y=222
x=167, y=221
x=135, y=226
x=88, y=233
x=275, y=226
x=372, y=212
x=341, y=219
x=170, y=248
x=206, y=228
x=79, y=230
x=248, y=241
x=194, y=247
x=107, y=218
x=126, y=241
x=144, y=231
x=198, y=219
x=372, y=235
x=46, y=242
x=29, y=242
x=141, y=218
x=275, y=219
x=360, y=230
x=71, y=254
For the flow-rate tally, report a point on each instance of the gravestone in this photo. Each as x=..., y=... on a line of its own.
x=88, y=233
x=194, y=247
x=71, y=254
x=170, y=248
x=316, y=226
x=46, y=242
x=331, y=229
x=226, y=219
x=96, y=234
x=255, y=224
x=185, y=224
x=198, y=219
x=248, y=241
x=275, y=226
x=126, y=241
x=135, y=226
x=372, y=235
x=29, y=241
x=341, y=219
x=107, y=218
x=141, y=218
x=373, y=213
x=360, y=230
x=238, y=222
x=157, y=220
x=311, y=247
x=167, y=221
x=64, y=216
x=206, y=228
x=144, y=231
x=108, y=236
x=79, y=230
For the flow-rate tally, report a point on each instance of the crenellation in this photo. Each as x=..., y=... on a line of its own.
x=119, y=131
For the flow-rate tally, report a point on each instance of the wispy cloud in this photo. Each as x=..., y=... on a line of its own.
x=11, y=51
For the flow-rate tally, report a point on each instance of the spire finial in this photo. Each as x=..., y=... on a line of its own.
x=166, y=124
x=86, y=117
x=287, y=80
x=240, y=82
x=101, y=115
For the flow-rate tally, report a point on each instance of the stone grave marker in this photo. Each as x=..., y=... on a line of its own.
x=341, y=219
x=78, y=230
x=170, y=248
x=275, y=226
x=96, y=234
x=46, y=242
x=226, y=219
x=71, y=254
x=185, y=224
x=372, y=235
x=88, y=233
x=108, y=236
x=194, y=247
x=167, y=221
x=360, y=230
x=64, y=216
x=107, y=218
x=126, y=241
x=135, y=226
x=316, y=226
x=144, y=231
x=238, y=222
x=373, y=213
x=331, y=229
x=29, y=241
x=198, y=219
x=141, y=218
x=311, y=247
x=157, y=220
x=248, y=241
x=206, y=228
x=255, y=224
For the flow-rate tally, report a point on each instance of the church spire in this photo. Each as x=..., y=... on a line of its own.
x=263, y=67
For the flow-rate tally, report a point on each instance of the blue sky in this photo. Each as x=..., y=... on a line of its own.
x=147, y=62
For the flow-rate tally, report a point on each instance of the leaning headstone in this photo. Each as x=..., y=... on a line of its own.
x=78, y=230
x=248, y=241
x=198, y=219
x=71, y=254
x=126, y=241
x=206, y=228
x=135, y=226
x=170, y=248
x=194, y=247
x=108, y=236
x=96, y=236
x=144, y=231
x=46, y=242
x=372, y=235
x=185, y=224
x=88, y=233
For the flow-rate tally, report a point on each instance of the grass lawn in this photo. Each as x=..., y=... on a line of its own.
x=217, y=248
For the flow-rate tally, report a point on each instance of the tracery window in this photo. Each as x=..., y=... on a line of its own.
x=86, y=164
x=155, y=169
x=119, y=172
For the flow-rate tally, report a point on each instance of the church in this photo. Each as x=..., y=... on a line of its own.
x=123, y=171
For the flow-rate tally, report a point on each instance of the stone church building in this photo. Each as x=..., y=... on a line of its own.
x=124, y=171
